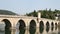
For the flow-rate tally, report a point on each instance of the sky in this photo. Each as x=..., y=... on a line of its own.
x=22, y=7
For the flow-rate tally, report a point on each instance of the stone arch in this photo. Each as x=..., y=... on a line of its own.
x=47, y=26
x=52, y=24
x=21, y=24
x=55, y=24
x=7, y=23
x=41, y=26
x=32, y=23
x=32, y=27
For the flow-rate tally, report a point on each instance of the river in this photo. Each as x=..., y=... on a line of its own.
x=41, y=30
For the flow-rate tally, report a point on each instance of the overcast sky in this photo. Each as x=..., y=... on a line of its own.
x=25, y=6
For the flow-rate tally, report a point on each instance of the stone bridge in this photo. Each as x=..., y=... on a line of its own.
x=26, y=21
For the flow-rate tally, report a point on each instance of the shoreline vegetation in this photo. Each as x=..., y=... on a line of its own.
x=49, y=14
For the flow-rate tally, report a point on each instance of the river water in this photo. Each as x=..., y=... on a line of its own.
x=41, y=30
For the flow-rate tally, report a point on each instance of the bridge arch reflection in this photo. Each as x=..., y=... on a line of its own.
x=52, y=26
x=41, y=26
x=47, y=26
x=32, y=27
x=21, y=24
x=55, y=26
x=7, y=23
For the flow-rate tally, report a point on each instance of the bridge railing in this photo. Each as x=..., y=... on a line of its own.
x=16, y=16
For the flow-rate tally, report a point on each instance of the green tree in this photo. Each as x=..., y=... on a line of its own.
x=49, y=14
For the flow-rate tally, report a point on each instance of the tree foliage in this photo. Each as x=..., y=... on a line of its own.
x=45, y=13
x=34, y=14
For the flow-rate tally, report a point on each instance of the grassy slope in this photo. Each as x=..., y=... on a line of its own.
x=6, y=12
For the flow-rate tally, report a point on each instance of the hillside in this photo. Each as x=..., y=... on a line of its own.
x=6, y=12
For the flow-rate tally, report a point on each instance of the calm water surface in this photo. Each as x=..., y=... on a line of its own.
x=41, y=30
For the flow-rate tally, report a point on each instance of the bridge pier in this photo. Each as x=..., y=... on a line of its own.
x=13, y=26
x=37, y=28
x=37, y=31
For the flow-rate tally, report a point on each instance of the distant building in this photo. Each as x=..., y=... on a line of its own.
x=57, y=16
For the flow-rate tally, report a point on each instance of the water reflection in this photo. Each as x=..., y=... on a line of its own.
x=2, y=31
x=32, y=27
x=32, y=30
x=47, y=29
x=22, y=31
x=7, y=31
x=58, y=30
x=47, y=26
x=55, y=27
x=41, y=29
x=52, y=28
